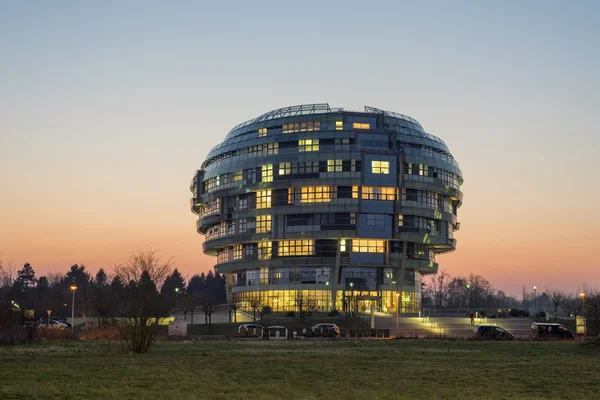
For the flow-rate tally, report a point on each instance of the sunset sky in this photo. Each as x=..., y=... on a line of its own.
x=108, y=108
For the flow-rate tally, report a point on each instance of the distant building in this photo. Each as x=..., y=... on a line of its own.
x=317, y=204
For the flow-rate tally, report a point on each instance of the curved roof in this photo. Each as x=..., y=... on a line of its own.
x=311, y=109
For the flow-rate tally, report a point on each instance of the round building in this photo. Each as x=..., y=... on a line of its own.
x=312, y=205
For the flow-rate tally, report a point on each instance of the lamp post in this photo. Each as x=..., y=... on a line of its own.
x=534, y=302
x=468, y=297
x=582, y=295
x=354, y=307
x=176, y=301
x=397, y=306
x=73, y=289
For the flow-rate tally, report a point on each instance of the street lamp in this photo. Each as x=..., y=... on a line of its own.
x=468, y=297
x=534, y=302
x=397, y=306
x=73, y=289
x=582, y=295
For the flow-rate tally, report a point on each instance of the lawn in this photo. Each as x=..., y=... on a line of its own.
x=359, y=369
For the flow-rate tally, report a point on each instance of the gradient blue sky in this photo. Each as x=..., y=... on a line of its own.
x=108, y=108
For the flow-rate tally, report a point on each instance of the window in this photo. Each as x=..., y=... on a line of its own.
x=343, y=245
x=334, y=165
x=308, y=126
x=262, y=132
x=267, y=173
x=243, y=225
x=343, y=143
x=305, y=145
x=310, y=194
x=378, y=193
x=266, y=149
x=212, y=207
x=263, y=199
x=400, y=220
x=295, y=248
x=377, y=220
x=355, y=192
x=417, y=169
x=241, y=202
x=264, y=250
x=361, y=125
x=339, y=125
x=263, y=224
x=380, y=167
x=237, y=176
x=368, y=246
x=237, y=252
x=285, y=168
x=307, y=167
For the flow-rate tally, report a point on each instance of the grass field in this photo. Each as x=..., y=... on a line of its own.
x=365, y=369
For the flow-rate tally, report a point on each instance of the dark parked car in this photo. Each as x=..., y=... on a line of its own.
x=548, y=331
x=491, y=332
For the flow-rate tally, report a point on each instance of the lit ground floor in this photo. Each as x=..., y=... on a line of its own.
x=321, y=300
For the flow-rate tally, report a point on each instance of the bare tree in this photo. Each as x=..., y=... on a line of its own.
x=145, y=261
x=299, y=300
x=310, y=307
x=255, y=305
x=232, y=308
x=571, y=305
x=557, y=297
x=139, y=303
x=208, y=305
x=438, y=288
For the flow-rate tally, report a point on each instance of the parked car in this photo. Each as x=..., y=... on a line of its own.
x=491, y=332
x=52, y=324
x=549, y=331
x=333, y=327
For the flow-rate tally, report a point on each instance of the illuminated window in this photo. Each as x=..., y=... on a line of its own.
x=267, y=173
x=262, y=132
x=263, y=199
x=355, y=192
x=380, y=167
x=237, y=176
x=400, y=220
x=310, y=194
x=343, y=245
x=360, y=125
x=308, y=126
x=295, y=248
x=368, y=246
x=423, y=170
x=263, y=224
x=378, y=193
x=334, y=165
x=237, y=252
x=308, y=145
x=285, y=168
x=264, y=250
x=339, y=125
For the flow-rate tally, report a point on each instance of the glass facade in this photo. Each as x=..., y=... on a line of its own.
x=342, y=208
